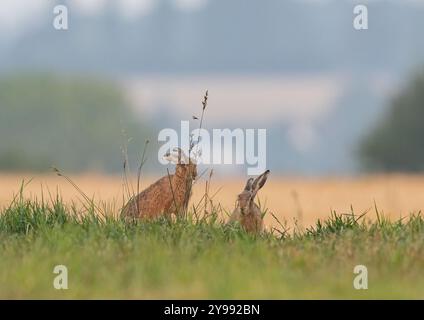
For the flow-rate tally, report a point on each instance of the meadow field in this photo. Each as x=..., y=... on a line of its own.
x=204, y=258
x=290, y=198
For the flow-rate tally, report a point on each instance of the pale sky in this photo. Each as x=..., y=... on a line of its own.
x=17, y=14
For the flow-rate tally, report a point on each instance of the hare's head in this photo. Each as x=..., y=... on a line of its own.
x=185, y=165
x=246, y=198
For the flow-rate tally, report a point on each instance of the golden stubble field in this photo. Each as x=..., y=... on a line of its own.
x=289, y=198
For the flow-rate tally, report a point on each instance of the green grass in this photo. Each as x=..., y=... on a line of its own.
x=203, y=259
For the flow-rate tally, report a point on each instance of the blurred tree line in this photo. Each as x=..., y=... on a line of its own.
x=75, y=123
x=397, y=141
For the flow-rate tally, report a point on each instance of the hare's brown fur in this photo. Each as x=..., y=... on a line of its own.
x=247, y=213
x=252, y=221
x=170, y=194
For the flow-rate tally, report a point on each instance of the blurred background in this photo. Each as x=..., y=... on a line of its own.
x=335, y=100
x=343, y=108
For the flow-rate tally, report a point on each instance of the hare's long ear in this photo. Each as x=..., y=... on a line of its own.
x=249, y=183
x=259, y=182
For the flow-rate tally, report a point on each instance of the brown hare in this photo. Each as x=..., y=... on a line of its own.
x=168, y=195
x=247, y=212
